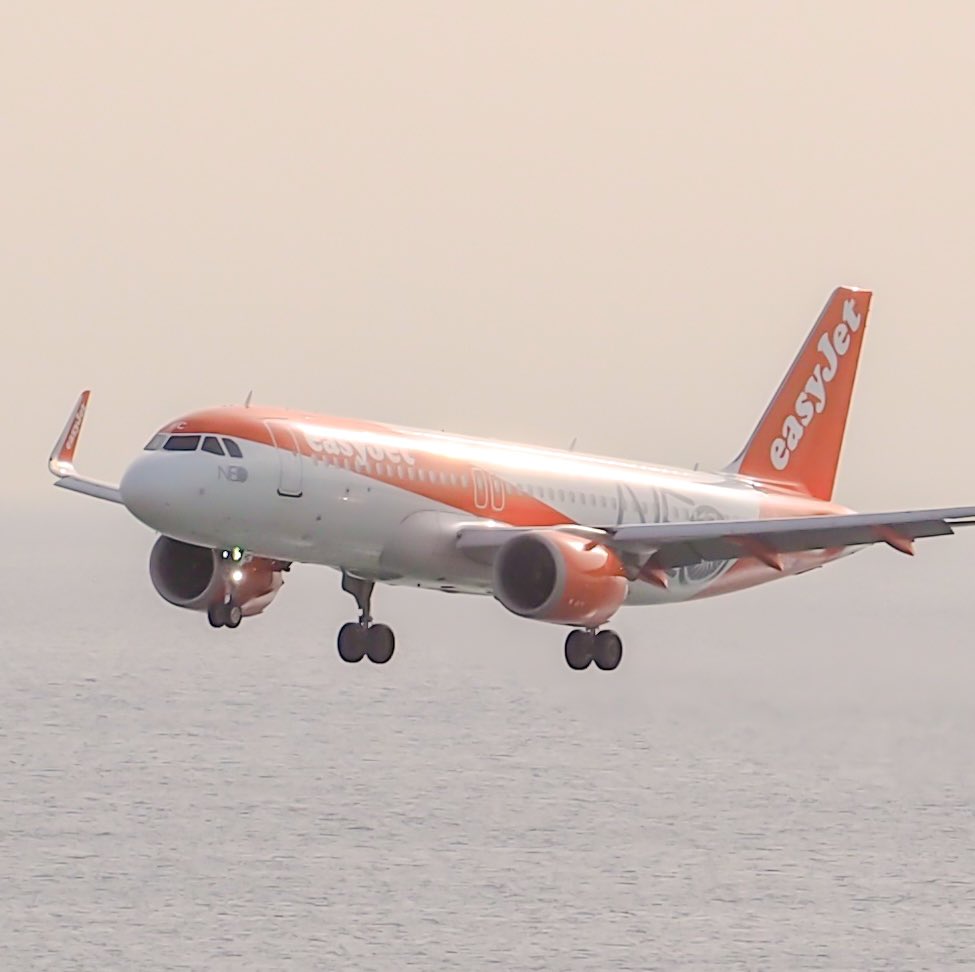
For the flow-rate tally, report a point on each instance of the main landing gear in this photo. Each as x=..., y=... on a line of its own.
x=584, y=646
x=364, y=639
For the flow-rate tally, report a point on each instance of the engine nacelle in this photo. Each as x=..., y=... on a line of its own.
x=196, y=577
x=558, y=577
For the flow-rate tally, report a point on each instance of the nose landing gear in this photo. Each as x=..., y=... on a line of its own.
x=584, y=646
x=228, y=613
x=364, y=639
x=224, y=614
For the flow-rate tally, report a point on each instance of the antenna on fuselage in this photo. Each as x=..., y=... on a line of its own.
x=572, y=444
x=247, y=400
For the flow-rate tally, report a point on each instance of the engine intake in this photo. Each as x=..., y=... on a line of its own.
x=195, y=577
x=558, y=577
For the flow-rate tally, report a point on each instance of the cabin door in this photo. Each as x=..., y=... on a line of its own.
x=289, y=457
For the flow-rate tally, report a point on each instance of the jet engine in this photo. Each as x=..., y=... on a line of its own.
x=198, y=577
x=558, y=577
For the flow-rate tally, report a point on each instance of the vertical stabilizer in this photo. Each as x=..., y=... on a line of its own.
x=798, y=440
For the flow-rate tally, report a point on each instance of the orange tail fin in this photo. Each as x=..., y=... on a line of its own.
x=797, y=441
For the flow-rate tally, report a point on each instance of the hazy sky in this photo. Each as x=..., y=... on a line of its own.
x=537, y=221
x=529, y=220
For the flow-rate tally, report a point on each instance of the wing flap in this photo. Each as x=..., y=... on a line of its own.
x=688, y=543
x=790, y=534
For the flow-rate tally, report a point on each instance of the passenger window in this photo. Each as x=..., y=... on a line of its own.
x=182, y=443
x=233, y=449
x=155, y=442
x=210, y=444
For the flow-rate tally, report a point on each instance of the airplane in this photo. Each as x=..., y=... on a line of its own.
x=239, y=493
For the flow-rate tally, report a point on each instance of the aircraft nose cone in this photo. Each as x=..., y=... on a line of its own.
x=143, y=492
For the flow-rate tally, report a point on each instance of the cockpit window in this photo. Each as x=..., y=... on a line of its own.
x=233, y=449
x=210, y=444
x=182, y=443
x=155, y=442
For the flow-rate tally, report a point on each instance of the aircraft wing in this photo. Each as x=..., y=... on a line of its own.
x=667, y=545
x=61, y=460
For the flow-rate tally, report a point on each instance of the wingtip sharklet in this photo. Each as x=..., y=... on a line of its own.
x=61, y=460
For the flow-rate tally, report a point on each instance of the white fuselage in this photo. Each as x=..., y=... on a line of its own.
x=384, y=502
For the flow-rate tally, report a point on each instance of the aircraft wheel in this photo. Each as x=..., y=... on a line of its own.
x=233, y=614
x=216, y=615
x=352, y=641
x=380, y=644
x=579, y=646
x=608, y=651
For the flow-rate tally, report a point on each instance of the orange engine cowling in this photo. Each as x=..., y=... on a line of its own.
x=196, y=577
x=558, y=577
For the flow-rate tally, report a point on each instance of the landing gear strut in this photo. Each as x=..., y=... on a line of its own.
x=364, y=639
x=583, y=646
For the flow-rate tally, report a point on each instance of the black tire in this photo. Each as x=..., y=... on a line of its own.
x=216, y=615
x=380, y=644
x=608, y=650
x=579, y=647
x=352, y=642
x=233, y=614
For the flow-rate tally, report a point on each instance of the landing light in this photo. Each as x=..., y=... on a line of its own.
x=237, y=576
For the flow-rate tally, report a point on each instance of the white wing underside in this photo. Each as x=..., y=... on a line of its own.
x=90, y=487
